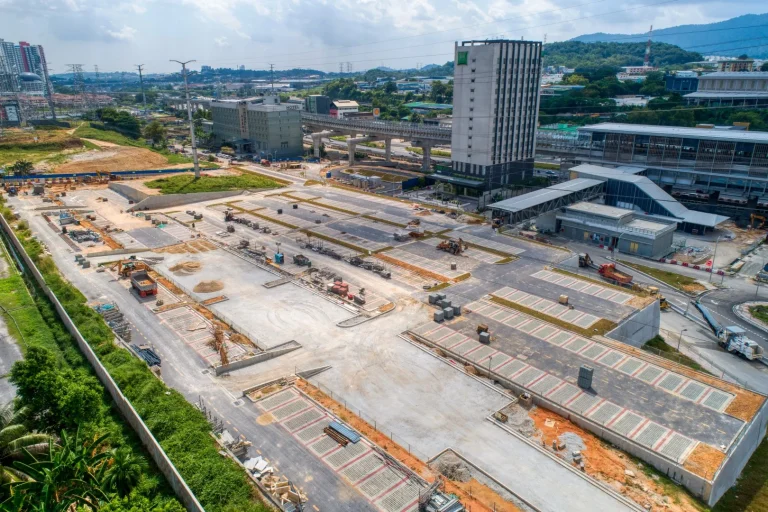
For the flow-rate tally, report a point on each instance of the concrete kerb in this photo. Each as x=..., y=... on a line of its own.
x=486, y=474
x=164, y=464
x=584, y=476
x=738, y=311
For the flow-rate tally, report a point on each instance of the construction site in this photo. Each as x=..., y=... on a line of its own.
x=359, y=352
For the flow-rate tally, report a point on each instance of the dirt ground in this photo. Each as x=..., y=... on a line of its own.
x=113, y=157
x=473, y=495
x=625, y=474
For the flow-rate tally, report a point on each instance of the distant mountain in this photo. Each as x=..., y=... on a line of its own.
x=733, y=37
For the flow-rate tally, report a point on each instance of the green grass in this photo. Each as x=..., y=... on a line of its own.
x=434, y=152
x=22, y=317
x=187, y=184
x=751, y=490
x=683, y=283
x=21, y=145
x=759, y=312
x=659, y=347
x=544, y=165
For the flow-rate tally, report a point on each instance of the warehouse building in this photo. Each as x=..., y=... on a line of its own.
x=616, y=228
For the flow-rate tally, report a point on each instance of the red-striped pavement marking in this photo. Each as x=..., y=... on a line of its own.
x=682, y=384
x=408, y=506
x=537, y=379
x=478, y=347
x=638, y=428
x=296, y=432
x=640, y=370
x=592, y=409
x=350, y=462
x=369, y=475
x=554, y=390
x=298, y=397
x=331, y=453
x=661, y=441
x=387, y=491
x=308, y=407
x=518, y=372
x=613, y=420
x=502, y=365
x=705, y=395
x=569, y=402
x=586, y=347
x=658, y=379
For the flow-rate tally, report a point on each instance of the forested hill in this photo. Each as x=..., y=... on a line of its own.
x=577, y=54
x=731, y=37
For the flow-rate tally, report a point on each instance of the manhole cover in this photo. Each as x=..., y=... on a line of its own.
x=237, y=403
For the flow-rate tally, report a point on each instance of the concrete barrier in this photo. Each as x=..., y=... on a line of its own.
x=127, y=191
x=639, y=327
x=167, y=201
x=273, y=352
x=174, y=478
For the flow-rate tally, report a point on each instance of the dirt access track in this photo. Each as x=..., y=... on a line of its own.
x=114, y=157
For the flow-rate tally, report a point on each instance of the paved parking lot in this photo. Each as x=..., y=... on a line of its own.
x=546, y=306
x=667, y=424
x=153, y=237
x=483, y=242
x=387, y=486
x=530, y=249
x=340, y=234
x=582, y=286
x=437, y=267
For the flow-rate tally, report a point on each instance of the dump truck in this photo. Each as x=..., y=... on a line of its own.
x=143, y=284
x=731, y=338
x=301, y=260
x=229, y=215
x=608, y=271
x=453, y=246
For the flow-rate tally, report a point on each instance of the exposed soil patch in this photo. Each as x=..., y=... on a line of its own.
x=186, y=268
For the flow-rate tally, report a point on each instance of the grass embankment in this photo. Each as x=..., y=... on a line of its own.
x=182, y=430
x=600, y=327
x=760, y=313
x=49, y=147
x=187, y=184
x=434, y=152
x=681, y=282
x=659, y=347
x=544, y=165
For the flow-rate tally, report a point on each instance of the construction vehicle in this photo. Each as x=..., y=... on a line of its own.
x=229, y=215
x=301, y=260
x=585, y=261
x=401, y=237
x=663, y=303
x=143, y=284
x=414, y=222
x=608, y=271
x=125, y=267
x=452, y=246
x=373, y=266
x=230, y=228
x=753, y=217
x=732, y=338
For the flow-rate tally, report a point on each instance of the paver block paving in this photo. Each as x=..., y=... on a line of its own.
x=611, y=358
x=671, y=382
x=693, y=390
x=323, y=446
x=545, y=385
x=277, y=399
x=545, y=332
x=289, y=409
x=565, y=393
x=677, y=447
x=453, y=339
x=567, y=281
x=594, y=351
x=501, y=314
x=592, y=289
x=650, y=374
x=516, y=320
x=605, y=413
x=528, y=376
x=630, y=366
x=529, y=300
x=303, y=419
x=313, y=431
x=650, y=434
x=465, y=347
x=346, y=454
x=578, y=286
x=717, y=400
x=628, y=422
x=400, y=497
x=583, y=403
x=576, y=345
x=380, y=482
x=512, y=368
x=483, y=242
x=362, y=468
x=530, y=326
x=481, y=354
x=606, y=294
x=586, y=321
x=560, y=338
x=570, y=316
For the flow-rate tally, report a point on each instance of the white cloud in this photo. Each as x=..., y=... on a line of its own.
x=124, y=34
x=134, y=7
x=221, y=42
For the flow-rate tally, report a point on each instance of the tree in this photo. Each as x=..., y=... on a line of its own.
x=15, y=437
x=575, y=79
x=155, y=132
x=390, y=87
x=764, y=67
x=124, y=472
x=22, y=167
x=415, y=118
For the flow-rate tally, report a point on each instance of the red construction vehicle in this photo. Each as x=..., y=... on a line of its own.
x=143, y=284
x=608, y=271
x=452, y=246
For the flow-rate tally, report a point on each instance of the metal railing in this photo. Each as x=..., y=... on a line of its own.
x=394, y=128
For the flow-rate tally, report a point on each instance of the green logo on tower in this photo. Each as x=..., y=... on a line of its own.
x=462, y=59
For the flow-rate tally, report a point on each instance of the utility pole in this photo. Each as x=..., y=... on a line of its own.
x=712, y=268
x=141, y=82
x=49, y=90
x=189, y=113
x=272, y=76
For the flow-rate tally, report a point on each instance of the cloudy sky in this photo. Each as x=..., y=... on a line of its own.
x=117, y=34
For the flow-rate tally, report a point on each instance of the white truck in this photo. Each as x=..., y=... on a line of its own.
x=734, y=339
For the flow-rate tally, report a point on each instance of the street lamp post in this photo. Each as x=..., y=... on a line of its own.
x=189, y=114
x=680, y=339
x=712, y=269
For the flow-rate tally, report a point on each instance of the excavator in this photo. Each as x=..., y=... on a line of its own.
x=126, y=267
x=753, y=217
x=453, y=246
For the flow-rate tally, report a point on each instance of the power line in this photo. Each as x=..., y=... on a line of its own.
x=140, y=67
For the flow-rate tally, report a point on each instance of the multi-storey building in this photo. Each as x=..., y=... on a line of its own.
x=269, y=129
x=731, y=88
x=317, y=104
x=495, y=111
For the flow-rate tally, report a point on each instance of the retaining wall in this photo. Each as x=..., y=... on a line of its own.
x=132, y=193
x=167, y=201
x=279, y=350
x=165, y=465
x=641, y=326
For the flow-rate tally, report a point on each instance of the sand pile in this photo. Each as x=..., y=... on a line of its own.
x=186, y=268
x=208, y=286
